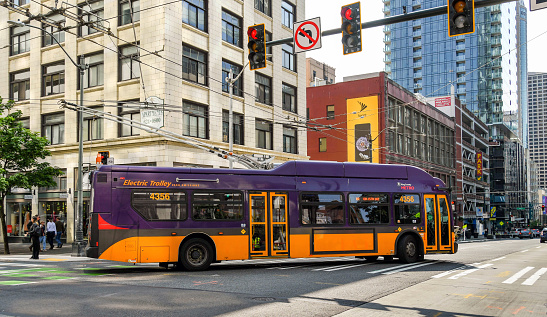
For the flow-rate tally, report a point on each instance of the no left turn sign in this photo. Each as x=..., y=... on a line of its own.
x=307, y=35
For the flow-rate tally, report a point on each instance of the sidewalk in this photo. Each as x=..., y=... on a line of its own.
x=19, y=248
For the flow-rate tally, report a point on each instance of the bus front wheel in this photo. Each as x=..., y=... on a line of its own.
x=196, y=255
x=408, y=251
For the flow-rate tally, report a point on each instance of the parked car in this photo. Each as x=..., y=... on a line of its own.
x=543, y=235
x=514, y=233
x=535, y=233
x=525, y=233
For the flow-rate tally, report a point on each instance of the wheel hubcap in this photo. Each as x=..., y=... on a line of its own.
x=196, y=255
x=411, y=249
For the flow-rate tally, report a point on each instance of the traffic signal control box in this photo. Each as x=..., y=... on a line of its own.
x=351, y=28
x=256, y=35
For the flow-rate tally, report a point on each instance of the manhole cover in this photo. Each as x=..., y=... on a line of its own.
x=264, y=299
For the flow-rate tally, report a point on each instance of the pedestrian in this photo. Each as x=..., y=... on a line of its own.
x=35, y=232
x=51, y=232
x=43, y=235
x=59, y=226
x=29, y=225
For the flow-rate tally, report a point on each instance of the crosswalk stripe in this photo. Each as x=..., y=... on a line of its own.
x=347, y=267
x=466, y=272
x=391, y=268
x=408, y=268
x=331, y=267
x=532, y=279
x=518, y=275
x=494, y=260
x=449, y=272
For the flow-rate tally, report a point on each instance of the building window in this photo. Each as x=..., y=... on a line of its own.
x=129, y=12
x=264, y=134
x=289, y=61
x=55, y=31
x=289, y=97
x=20, y=85
x=269, y=48
x=53, y=79
x=238, y=84
x=330, y=112
x=94, y=75
x=20, y=2
x=195, y=120
x=289, y=140
x=92, y=13
x=129, y=110
x=128, y=67
x=20, y=39
x=193, y=13
x=287, y=14
x=231, y=29
x=53, y=128
x=237, y=123
x=322, y=144
x=263, y=88
x=194, y=65
x=93, y=126
x=264, y=6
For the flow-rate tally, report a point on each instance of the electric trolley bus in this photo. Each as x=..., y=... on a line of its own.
x=192, y=217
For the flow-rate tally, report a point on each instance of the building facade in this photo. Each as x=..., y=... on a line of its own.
x=319, y=73
x=537, y=118
x=371, y=119
x=489, y=74
x=180, y=52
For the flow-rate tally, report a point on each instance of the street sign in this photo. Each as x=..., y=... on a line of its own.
x=307, y=35
x=538, y=4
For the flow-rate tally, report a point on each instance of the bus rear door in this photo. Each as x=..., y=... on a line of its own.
x=268, y=224
x=438, y=235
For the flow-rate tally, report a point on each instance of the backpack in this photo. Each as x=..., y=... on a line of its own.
x=35, y=230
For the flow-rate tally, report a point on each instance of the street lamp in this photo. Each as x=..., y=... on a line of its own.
x=78, y=247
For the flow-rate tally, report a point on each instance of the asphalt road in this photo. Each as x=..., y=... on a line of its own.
x=493, y=278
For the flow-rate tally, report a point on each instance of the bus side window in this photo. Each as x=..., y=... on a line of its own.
x=407, y=209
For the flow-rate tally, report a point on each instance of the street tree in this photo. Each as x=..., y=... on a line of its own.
x=22, y=155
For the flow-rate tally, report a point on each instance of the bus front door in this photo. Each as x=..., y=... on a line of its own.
x=268, y=224
x=437, y=224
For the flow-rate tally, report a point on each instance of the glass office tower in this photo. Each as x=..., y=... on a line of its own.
x=487, y=68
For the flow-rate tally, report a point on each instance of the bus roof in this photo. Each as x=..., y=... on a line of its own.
x=294, y=168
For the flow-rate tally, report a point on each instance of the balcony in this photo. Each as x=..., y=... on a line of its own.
x=417, y=22
x=417, y=43
x=460, y=69
x=418, y=75
x=417, y=33
x=386, y=9
x=496, y=86
x=460, y=57
x=417, y=85
x=387, y=29
x=496, y=74
x=496, y=52
x=387, y=39
x=460, y=91
x=495, y=41
x=417, y=54
x=387, y=59
x=416, y=3
x=496, y=63
x=387, y=49
x=417, y=64
x=387, y=68
x=495, y=18
x=495, y=29
x=495, y=8
x=460, y=47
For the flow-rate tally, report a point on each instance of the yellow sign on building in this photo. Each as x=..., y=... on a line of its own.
x=363, y=140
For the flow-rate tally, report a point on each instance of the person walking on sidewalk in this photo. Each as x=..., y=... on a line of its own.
x=43, y=235
x=34, y=233
x=51, y=232
x=59, y=226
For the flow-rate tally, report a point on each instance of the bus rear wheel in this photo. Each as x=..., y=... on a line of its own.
x=408, y=250
x=196, y=255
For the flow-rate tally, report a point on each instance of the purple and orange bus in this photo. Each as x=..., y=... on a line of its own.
x=192, y=217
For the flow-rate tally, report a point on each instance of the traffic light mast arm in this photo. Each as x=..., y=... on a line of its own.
x=396, y=19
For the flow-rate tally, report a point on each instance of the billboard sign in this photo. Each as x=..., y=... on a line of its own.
x=363, y=134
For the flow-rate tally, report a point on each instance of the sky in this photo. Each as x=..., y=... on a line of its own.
x=371, y=58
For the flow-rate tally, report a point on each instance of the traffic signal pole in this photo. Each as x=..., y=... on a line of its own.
x=397, y=18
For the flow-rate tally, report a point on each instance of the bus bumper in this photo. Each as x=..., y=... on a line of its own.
x=92, y=252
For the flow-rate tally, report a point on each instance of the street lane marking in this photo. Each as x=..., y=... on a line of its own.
x=518, y=275
x=15, y=283
x=464, y=273
x=494, y=260
x=331, y=267
x=347, y=267
x=449, y=272
x=524, y=251
x=390, y=268
x=408, y=268
x=532, y=279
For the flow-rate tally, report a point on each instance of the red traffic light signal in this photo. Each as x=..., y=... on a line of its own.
x=461, y=17
x=351, y=28
x=104, y=157
x=256, y=35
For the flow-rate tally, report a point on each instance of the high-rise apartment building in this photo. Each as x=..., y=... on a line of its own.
x=537, y=117
x=489, y=75
x=180, y=52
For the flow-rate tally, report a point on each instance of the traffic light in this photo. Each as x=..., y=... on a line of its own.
x=257, y=46
x=461, y=17
x=351, y=28
x=104, y=157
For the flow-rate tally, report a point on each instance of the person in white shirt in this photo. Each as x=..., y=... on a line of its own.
x=51, y=232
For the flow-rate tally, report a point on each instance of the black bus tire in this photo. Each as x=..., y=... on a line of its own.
x=408, y=250
x=196, y=255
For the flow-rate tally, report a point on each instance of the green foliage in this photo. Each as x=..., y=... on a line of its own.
x=22, y=155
